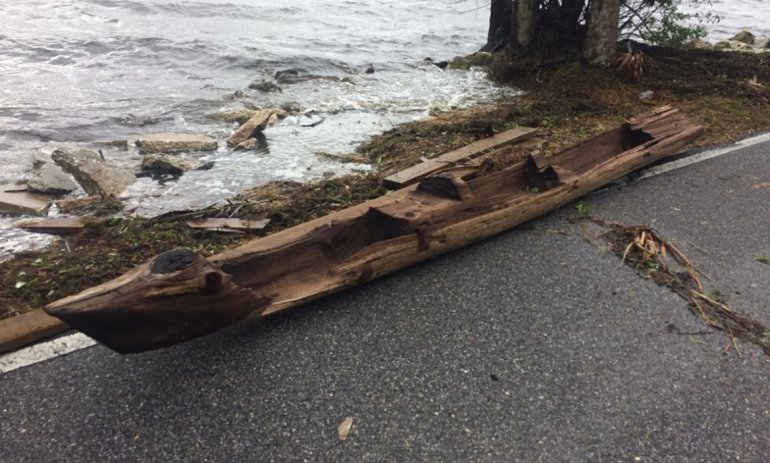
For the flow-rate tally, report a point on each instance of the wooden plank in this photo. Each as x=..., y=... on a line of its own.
x=229, y=225
x=56, y=225
x=417, y=172
x=180, y=294
x=28, y=328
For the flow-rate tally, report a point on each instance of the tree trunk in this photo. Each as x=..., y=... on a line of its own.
x=523, y=20
x=180, y=295
x=499, y=34
x=602, y=35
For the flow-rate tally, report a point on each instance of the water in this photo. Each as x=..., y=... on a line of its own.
x=76, y=71
x=737, y=15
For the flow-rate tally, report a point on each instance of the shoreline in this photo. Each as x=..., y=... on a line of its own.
x=566, y=103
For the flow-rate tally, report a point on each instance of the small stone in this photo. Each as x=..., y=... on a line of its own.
x=246, y=145
x=480, y=58
x=744, y=37
x=646, y=95
x=175, y=143
x=265, y=86
x=292, y=107
x=368, y=69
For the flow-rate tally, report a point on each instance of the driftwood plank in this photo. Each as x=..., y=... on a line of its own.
x=417, y=172
x=29, y=327
x=229, y=225
x=56, y=225
x=180, y=295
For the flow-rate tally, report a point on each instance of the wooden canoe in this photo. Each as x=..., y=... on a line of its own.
x=180, y=295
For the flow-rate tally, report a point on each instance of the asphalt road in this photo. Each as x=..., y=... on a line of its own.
x=537, y=345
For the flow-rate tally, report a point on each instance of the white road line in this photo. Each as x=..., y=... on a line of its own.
x=702, y=156
x=44, y=351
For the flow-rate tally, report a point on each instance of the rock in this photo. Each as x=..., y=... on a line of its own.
x=744, y=37
x=258, y=143
x=735, y=45
x=234, y=115
x=94, y=175
x=265, y=86
x=295, y=76
x=167, y=164
x=138, y=121
x=175, y=143
x=646, y=95
x=246, y=145
x=257, y=123
x=292, y=107
x=348, y=80
x=700, y=44
x=16, y=199
x=51, y=179
x=368, y=69
x=480, y=58
x=288, y=75
x=732, y=45
x=439, y=64
x=762, y=44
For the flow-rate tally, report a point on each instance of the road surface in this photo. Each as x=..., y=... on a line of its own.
x=534, y=346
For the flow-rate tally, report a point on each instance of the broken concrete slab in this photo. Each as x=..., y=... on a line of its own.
x=96, y=176
x=51, y=179
x=257, y=123
x=234, y=115
x=165, y=163
x=17, y=199
x=171, y=142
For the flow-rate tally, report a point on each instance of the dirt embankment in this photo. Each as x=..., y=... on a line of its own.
x=727, y=92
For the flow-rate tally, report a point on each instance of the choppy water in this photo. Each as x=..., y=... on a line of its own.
x=737, y=15
x=77, y=71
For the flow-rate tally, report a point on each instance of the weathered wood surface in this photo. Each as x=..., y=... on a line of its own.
x=56, y=225
x=419, y=171
x=21, y=330
x=229, y=225
x=180, y=295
